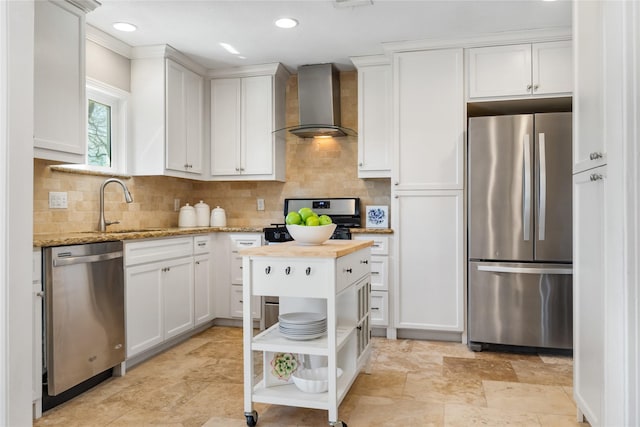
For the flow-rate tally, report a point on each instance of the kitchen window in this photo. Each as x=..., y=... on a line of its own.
x=106, y=127
x=106, y=108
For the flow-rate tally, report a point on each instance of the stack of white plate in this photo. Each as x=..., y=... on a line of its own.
x=302, y=325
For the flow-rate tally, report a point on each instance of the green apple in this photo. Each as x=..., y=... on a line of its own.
x=293, y=218
x=305, y=213
x=325, y=219
x=313, y=221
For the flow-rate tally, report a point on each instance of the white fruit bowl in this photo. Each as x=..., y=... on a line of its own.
x=311, y=235
x=313, y=380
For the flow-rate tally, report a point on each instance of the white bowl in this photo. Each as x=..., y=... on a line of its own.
x=313, y=380
x=311, y=235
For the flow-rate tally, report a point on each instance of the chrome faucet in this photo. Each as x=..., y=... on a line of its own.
x=127, y=197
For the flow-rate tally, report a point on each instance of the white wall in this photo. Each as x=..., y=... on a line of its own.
x=16, y=210
x=108, y=66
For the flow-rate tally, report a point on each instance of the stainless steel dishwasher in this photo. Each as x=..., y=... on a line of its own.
x=84, y=312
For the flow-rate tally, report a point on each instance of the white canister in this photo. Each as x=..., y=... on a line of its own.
x=202, y=214
x=187, y=216
x=218, y=217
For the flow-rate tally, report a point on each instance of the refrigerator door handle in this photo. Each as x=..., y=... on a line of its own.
x=526, y=184
x=525, y=270
x=542, y=191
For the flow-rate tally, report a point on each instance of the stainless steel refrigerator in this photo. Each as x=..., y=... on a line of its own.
x=520, y=234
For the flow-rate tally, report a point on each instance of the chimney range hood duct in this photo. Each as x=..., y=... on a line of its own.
x=319, y=102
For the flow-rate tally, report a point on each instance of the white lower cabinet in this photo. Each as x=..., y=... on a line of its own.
x=203, y=289
x=143, y=307
x=379, y=308
x=379, y=277
x=429, y=276
x=589, y=213
x=168, y=290
x=238, y=242
x=177, y=295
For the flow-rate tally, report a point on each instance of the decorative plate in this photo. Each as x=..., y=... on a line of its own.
x=377, y=217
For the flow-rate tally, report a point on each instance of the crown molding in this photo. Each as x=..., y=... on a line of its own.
x=370, y=60
x=481, y=40
x=108, y=41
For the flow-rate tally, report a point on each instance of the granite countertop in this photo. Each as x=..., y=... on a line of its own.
x=328, y=249
x=75, y=238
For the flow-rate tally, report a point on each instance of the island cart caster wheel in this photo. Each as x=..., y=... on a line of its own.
x=252, y=418
x=338, y=424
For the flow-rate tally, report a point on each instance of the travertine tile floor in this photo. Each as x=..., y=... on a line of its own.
x=411, y=383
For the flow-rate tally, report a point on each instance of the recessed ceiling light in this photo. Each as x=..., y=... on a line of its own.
x=229, y=48
x=124, y=26
x=286, y=23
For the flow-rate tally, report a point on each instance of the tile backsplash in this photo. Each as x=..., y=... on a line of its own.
x=315, y=168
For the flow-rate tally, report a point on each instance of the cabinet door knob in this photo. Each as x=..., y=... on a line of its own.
x=308, y=271
x=287, y=271
x=40, y=294
x=595, y=155
x=535, y=87
x=267, y=270
x=396, y=183
x=237, y=169
x=529, y=88
x=360, y=164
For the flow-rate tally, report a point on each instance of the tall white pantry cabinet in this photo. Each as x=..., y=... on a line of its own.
x=427, y=189
x=606, y=193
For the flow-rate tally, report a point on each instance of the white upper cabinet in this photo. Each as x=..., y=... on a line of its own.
x=247, y=106
x=374, y=116
x=167, y=108
x=538, y=69
x=589, y=143
x=184, y=119
x=59, y=81
x=428, y=120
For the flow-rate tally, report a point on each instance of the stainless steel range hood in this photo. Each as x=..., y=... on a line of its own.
x=319, y=102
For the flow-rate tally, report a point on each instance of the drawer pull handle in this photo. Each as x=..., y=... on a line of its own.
x=375, y=308
x=241, y=301
x=348, y=270
x=308, y=271
x=197, y=262
x=375, y=272
x=287, y=271
x=365, y=261
x=267, y=270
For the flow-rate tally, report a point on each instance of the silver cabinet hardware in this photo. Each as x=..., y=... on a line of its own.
x=308, y=271
x=347, y=270
x=267, y=270
x=535, y=87
x=595, y=177
x=287, y=271
x=529, y=88
x=364, y=261
x=595, y=155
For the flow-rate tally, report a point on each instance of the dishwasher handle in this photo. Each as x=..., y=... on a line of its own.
x=85, y=259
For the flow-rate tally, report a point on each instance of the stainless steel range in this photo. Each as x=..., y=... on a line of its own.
x=344, y=211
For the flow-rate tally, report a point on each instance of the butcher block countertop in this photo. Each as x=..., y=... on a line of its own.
x=329, y=249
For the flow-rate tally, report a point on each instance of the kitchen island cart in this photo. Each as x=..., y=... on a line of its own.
x=332, y=279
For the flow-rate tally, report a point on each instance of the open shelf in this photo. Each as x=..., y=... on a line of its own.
x=272, y=340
